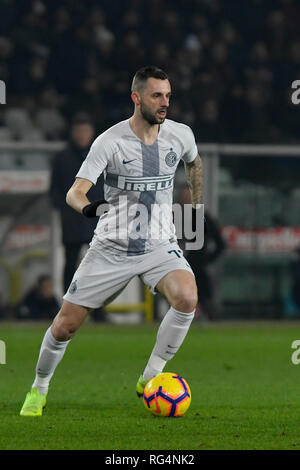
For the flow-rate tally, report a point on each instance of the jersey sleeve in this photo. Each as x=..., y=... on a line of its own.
x=190, y=151
x=96, y=160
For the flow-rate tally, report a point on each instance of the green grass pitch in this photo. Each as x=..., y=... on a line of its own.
x=245, y=390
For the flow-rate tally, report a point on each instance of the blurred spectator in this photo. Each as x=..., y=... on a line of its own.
x=18, y=121
x=209, y=128
x=76, y=230
x=201, y=260
x=48, y=117
x=39, y=302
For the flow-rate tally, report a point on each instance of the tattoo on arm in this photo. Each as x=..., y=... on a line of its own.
x=193, y=173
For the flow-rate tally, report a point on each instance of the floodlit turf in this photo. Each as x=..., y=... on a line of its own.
x=245, y=390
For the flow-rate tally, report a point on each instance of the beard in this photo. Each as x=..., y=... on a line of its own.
x=149, y=116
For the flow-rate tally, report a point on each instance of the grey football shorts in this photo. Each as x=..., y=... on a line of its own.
x=101, y=275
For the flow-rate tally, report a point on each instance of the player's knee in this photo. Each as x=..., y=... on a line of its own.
x=68, y=321
x=64, y=327
x=185, y=301
x=63, y=331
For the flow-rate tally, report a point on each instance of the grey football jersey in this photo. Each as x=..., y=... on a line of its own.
x=138, y=184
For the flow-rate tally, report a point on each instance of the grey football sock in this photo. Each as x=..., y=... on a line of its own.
x=51, y=353
x=170, y=336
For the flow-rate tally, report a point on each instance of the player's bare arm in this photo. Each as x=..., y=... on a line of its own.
x=194, y=178
x=76, y=196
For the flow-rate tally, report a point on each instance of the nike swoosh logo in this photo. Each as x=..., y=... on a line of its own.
x=128, y=161
x=173, y=347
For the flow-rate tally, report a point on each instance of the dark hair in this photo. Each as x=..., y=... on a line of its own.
x=142, y=75
x=81, y=118
x=42, y=278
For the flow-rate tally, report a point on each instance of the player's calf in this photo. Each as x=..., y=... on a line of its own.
x=180, y=289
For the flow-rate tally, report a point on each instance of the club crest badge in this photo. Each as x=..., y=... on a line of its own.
x=171, y=158
x=73, y=287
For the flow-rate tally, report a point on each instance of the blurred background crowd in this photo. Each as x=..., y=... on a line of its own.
x=231, y=64
x=68, y=67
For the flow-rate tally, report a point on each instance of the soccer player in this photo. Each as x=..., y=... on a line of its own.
x=139, y=157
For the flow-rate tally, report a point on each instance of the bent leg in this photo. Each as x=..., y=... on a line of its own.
x=180, y=289
x=55, y=342
x=97, y=279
